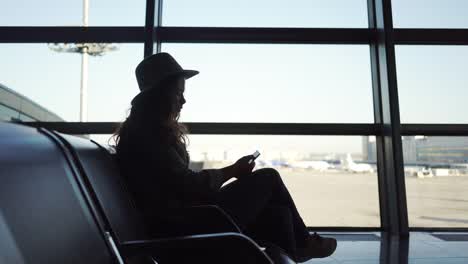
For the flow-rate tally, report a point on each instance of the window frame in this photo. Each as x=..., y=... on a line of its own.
x=381, y=38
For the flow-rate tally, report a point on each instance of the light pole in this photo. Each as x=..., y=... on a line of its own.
x=85, y=49
x=84, y=70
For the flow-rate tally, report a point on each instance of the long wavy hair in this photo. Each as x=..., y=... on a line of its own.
x=154, y=116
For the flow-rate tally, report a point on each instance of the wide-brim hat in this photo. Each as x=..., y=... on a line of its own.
x=155, y=69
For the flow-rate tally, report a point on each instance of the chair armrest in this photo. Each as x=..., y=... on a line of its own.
x=212, y=248
x=209, y=219
x=278, y=255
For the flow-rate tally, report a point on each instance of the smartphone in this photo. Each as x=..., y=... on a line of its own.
x=255, y=156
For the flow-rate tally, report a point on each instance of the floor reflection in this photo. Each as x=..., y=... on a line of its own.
x=380, y=248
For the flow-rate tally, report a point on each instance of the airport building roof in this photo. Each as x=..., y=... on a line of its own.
x=15, y=106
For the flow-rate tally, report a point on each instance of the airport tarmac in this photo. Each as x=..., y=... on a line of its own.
x=351, y=199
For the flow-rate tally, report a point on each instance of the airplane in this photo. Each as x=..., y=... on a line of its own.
x=350, y=165
x=280, y=164
x=260, y=163
x=319, y=165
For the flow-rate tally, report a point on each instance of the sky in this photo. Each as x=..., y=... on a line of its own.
x=247, y=83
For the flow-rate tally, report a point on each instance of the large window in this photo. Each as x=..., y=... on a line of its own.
x=112, y=83
x=52, y=79
x=276, y=83
x=430, y=13
x=432, y=83
x=70, y=13
x=331, y=179
x=436, y=170
x=302, y=91
x=48, y=78
x=265, y=13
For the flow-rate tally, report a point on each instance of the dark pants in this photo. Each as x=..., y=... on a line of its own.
x=261, y=205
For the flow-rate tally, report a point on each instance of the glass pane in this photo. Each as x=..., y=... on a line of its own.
x=276, y=83
x=70, y=13
x=112, y=83
x=327, y=188
x=52, y=79
x=436, y=170
x=265, y=13
x=430, y=13
x=432, y=83
x=47, y=78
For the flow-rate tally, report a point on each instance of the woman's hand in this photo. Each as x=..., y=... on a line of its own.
x=242, y=167
x=239, y=169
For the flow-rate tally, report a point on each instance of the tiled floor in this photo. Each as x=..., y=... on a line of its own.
x=373, y=248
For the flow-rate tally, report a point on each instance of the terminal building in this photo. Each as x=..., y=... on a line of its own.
x=17, y=107
x=425, y=150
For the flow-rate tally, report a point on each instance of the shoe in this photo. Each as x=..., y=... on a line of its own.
x=316, y=247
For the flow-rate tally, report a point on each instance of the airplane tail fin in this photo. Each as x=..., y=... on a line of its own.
x=349, y=160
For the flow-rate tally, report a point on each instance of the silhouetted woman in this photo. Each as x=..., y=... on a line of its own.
x=152, y=155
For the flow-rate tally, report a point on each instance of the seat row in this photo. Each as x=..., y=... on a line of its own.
x=62, y=201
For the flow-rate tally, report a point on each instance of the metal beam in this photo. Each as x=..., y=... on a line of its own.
x=270, y=128
x=226, y=35
x=158, y=24
x=434, y=130
x=377, y=102
x=392, y=190
x=224, y=128
x=439, y=229
x=149, y=28
x=265, y=35
x=282, y=129
x=431, y=36
x=71, y=34
x=393, y=250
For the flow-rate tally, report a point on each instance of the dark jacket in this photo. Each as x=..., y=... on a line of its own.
x=158, y=176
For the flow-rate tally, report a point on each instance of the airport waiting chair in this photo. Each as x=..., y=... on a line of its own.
x=106, y=189
x=101, y=175
x=47, y=215
x=43, y=216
